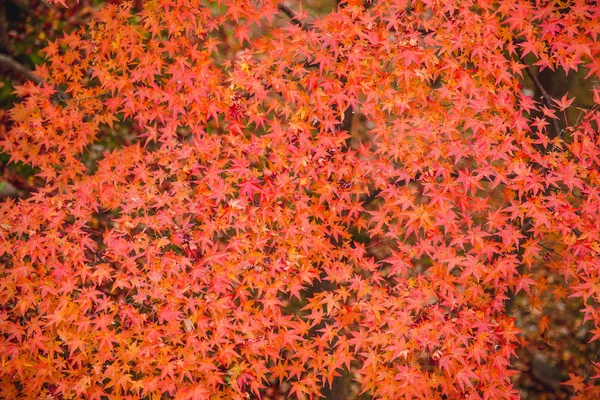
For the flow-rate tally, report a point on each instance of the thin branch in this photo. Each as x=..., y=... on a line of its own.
x=23, y=4
x=582, y=106
x=550, y=249
x=17, y=68
x=546, y=98
x=545, y=95
x=294, y=17
x=343, y=4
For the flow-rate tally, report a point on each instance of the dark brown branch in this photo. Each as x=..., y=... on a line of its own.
x=582, y=106
x=546, y=98
x=550, y=249
x=3, y=28
x=23, y=4
x=294, y=17
x=541, y=88
x=15, y=67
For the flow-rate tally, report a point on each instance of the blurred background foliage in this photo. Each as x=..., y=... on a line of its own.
x=554, y=335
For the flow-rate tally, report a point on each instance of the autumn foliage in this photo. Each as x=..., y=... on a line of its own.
x=299, y=197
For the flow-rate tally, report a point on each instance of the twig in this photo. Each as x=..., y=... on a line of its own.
x=582, y=106
x=294, y=17
x=15, y=67
x=546, y=98
x=539, y=85
x=545, y=95
x=366, y=4
x=550, y=249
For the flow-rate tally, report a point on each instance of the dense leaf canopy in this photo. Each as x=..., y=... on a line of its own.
x=357, y=193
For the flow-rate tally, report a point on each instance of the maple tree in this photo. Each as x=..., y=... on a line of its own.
x=301, y=197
